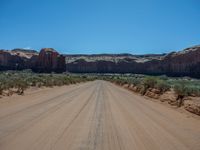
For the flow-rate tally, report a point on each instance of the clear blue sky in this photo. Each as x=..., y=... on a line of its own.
x=100, y=26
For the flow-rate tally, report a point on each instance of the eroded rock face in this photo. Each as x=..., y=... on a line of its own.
x=50, y=60
x=10, y=61
x=183, y=63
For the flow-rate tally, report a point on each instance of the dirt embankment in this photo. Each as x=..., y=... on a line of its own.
x=190, y=103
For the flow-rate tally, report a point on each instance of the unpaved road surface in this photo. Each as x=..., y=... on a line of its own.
x=93, y=116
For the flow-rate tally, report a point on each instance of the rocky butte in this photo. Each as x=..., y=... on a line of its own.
x=49, y=60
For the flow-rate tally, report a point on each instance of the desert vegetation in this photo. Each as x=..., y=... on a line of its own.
x=141, y=82
x=18, y=81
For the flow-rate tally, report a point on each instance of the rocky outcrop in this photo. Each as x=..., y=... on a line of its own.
x=27, y=53
x=48, y=60
x=183, y=63
x=10, y=61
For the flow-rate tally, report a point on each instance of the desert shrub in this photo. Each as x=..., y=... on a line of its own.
x=181, y=89
x=32, y=80
x=162, y=85
x=120, y=81
x=123, y=82
x=48, y=82
x=135, y=81
x=163, y=77
x=149, y=82
x=66, y=81
x=21, y=85
x=194, y=90
x=186, y=89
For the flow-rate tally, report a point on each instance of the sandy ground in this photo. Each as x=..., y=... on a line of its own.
x=94, y=115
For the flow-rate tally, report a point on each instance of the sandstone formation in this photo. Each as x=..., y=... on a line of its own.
x=183, y=63
x=48, y=60
x=12, y=61
x=27, y=53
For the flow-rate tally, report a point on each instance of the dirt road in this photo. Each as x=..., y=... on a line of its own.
x=93, y=116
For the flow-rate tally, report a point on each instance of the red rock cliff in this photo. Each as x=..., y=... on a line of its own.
x=50, y=60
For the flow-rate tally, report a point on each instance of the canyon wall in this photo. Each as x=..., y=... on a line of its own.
x=183, y=63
